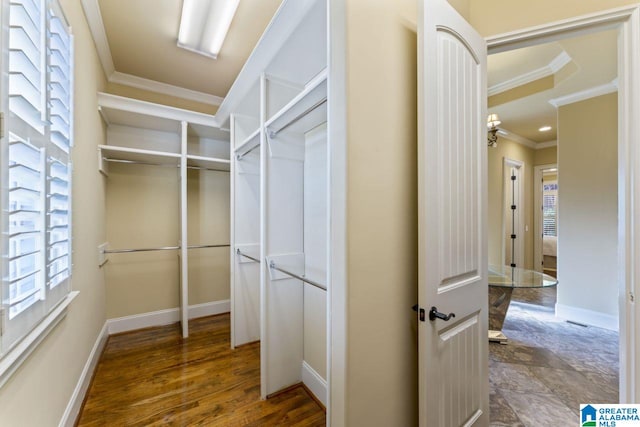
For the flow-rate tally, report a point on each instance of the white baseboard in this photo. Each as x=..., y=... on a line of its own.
x=587, y=317
x=165, y=317
x=314, y=382
x=75, y=403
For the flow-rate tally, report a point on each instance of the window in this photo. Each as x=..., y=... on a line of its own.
x=550, y=208
x=35, y=163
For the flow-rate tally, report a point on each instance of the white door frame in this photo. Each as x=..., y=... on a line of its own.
x=627, y=21
x=520, y=209
x=537, y=214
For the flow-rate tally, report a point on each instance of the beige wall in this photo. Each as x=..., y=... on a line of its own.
x=159, y=98
x=143, y=210
x=382, y=387
x=38, y=393
x=208, y=224
x=546, y=156
x=587, y=208
x=511, y=150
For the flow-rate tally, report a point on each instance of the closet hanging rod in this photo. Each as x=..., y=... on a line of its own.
x=247, y=256
x=122, y=251
x=299, y=117
x=166, y=165
x=240, y=156
x=164, y=248
x=295, y=276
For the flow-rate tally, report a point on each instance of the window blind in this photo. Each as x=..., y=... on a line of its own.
x=36, y=163
x=549, y=209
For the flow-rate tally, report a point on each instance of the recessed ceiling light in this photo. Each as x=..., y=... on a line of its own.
x=204, y=25
x=545, y=128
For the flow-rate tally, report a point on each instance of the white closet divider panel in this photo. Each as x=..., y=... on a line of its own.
x=184, y=244
x=282, y=303
x=245, y=292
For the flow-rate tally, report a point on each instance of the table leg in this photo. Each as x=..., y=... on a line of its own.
x=499, y=300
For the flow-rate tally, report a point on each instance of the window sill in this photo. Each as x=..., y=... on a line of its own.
x=17, y=355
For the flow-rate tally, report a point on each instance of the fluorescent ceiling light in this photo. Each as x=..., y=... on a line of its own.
x=545, y=128
x=204, y=25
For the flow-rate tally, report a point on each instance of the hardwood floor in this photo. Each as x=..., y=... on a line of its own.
x=152, y=377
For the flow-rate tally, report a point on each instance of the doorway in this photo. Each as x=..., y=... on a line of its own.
x=539, y=318
x=546, y=198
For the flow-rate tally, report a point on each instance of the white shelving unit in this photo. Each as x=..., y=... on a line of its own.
x=277, y=113
x=143, y=133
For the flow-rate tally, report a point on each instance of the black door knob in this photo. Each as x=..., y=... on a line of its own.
x=435, y=314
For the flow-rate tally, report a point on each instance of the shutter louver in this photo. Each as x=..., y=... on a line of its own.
x=60, y=84
x=26, y=61
x=25, y=224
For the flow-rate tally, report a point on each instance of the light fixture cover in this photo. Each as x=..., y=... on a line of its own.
x=544, y=128
x=204, y=25
x=493, y=120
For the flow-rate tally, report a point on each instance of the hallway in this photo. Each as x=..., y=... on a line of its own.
x=549, y=367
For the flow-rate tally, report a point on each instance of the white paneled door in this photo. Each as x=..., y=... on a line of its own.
x=452, y=220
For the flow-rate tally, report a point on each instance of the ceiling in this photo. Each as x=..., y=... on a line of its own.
x=138, y=45
x=136, y=41
x=523, y=82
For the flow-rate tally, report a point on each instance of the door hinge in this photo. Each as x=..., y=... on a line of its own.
x=513, y=265
x=1, y=125
x=421, y=313
x=1, y=321
x=513, y=177
x=513, y=207
x=513, y=236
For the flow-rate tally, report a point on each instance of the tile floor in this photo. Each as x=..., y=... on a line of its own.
x=549, y=366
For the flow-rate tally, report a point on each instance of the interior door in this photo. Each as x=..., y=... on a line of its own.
x=452, y=219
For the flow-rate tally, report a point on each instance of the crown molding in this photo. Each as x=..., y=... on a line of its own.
x=541, y=145
x=517, y=138
x=164, y=88
x=550, y=69
x=585, y=94
x=526, y=141
x=96, y=26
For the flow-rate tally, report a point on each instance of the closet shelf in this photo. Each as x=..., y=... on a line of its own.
x=118, y=110
x=126, y=154
x=304, y=112
x=249, y=144
x=208, y=162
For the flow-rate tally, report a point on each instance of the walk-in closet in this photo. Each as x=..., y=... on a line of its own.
x=167, y=204
x=277, y=113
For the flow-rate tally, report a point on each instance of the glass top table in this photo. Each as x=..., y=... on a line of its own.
x=503, y=279
x=505, y=276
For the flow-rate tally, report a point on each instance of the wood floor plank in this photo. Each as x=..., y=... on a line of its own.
x=153, y=377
